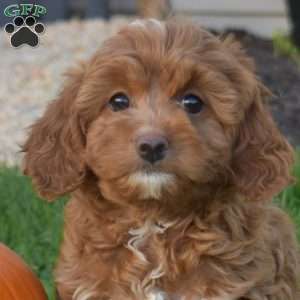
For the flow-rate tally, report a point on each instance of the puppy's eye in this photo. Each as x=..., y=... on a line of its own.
x=119, y=102
x=191, y=103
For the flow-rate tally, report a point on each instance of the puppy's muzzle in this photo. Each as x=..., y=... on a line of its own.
x=152, y=147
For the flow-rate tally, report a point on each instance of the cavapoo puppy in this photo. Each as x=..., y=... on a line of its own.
x=171, y=157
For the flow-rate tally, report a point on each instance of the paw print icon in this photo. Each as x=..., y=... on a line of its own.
x=24, y=31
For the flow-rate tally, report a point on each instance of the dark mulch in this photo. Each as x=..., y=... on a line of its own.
x=282, y=76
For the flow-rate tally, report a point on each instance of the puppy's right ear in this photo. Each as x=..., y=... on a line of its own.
x=54, y=150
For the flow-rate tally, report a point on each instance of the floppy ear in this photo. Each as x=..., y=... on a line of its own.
x=54, y=150
x=262, y=157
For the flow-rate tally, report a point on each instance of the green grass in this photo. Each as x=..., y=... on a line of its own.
x=32, y=227
x=29, y=226
x=289, y=199
x=283, y=45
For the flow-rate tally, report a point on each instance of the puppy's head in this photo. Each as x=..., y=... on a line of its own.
x=161, y=108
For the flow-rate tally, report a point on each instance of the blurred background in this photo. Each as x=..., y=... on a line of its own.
x=262, y=17
x=31, y=77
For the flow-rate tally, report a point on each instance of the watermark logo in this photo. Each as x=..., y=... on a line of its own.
x=24, y=29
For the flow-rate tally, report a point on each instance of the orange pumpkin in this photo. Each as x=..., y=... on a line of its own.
x=17, y=281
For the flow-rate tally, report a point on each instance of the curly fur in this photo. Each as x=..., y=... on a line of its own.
x=200, y=224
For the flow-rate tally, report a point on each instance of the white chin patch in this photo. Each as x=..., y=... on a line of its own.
x=151, y=184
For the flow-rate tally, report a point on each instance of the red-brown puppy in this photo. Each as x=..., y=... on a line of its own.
x=172, y=159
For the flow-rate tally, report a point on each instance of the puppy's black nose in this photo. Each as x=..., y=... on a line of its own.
x=152, y=147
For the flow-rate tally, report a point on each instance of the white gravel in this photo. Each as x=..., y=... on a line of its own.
x=30, y=77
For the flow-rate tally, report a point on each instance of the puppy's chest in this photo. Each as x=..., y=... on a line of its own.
x=149, y=247
x=149, y=242
x=163, y=259
x=156, y=260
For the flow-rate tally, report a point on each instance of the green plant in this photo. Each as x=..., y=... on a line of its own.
x=289, y=199
x=283, y=45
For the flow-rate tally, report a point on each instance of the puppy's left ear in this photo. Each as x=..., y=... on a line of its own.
x=262, y=157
